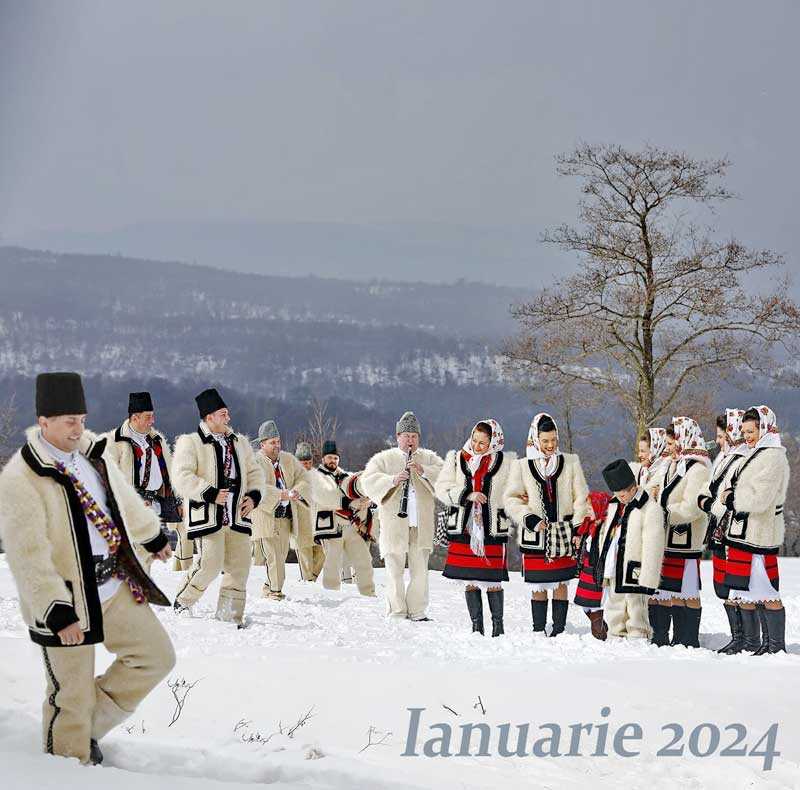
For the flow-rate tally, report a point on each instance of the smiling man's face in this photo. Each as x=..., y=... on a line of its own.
x=64, y=431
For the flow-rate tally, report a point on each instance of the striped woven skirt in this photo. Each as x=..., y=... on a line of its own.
x=537, y=569
x=589, y=593
x=462, y=563
x=673, y=574
x=719, y=564
x=752, y=577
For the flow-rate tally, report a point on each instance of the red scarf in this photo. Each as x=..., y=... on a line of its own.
x=480, y=472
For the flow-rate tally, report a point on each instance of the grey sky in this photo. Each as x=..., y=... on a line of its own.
x=118, y=113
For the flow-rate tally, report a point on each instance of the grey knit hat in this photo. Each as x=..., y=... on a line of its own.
x=268, y=430
x=303, y=452
x=408, y=423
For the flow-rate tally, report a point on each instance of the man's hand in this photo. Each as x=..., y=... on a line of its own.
x=147, y=503
x=413, y=465
x=285, y=495
x=523, y=498
x=293, y=495
x=247, y=506
x=222, y=496
x=576, y=541
x=164, y=554
x=180, y=512
x=479, y=497
x=401, y=477
x=654, y=492
x=71, y=635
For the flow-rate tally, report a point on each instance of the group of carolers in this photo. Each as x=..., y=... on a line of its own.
x=636, y=551
x=232, y=507
x=80, y=541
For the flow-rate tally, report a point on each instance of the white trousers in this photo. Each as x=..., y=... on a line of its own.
x=626, y=615
x=408, y=600
x=351, y=551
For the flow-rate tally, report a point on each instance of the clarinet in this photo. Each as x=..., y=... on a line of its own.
x=403, y=512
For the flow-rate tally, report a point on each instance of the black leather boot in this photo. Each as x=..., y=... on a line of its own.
x=95, y=755
x=761, y=612
x=539, y=613
x=750, y=630
x=691, y=626
x=678, y=624
x=659, y=621
x=475, y=608
x=737, y=636
x=776, y=620
x=495, y=598
x=559, y=616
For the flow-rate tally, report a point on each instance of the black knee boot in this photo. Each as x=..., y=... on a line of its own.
x=659, y=621
x=750, y=630
x=475, y=609
x=737, y=637
x=539, y=612
x=559, y=616
x=776, y=621
x=761, y=612
x=691, y=626
x=678, y=624
x=496, y=608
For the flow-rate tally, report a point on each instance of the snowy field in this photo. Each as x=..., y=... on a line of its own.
x=336, y=656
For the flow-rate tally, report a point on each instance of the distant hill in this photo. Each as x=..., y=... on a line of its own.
x=411, y=251
x=382, y=347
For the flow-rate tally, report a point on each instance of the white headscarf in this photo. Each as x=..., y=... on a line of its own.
x=734, y=443
x=658, y=452
x=547, y=464
x=496, y=444
x=691, y=443
x=768, y=435
x=733, y=428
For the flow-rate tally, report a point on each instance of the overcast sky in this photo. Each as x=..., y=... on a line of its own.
x=372, y=112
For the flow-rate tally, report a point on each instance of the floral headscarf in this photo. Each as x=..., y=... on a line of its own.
x=658, y=453
x=735, y=443
x=533, y=449
x=690, y=441
x=496, y=444
x=658, y=444
x=768, y=434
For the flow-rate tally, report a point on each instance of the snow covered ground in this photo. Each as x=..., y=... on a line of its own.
x=335, y=655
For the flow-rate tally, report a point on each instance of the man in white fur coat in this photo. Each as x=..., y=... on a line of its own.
x=411, y=537
x=70, y=523
x=336, y=523
x=216, y=473
x=631, y=543
x=144, y=457
x=286, y=494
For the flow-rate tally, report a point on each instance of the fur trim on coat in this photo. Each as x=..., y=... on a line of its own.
x=377, y=482
x=197, y=470
x=571, y=498
x=46, y=539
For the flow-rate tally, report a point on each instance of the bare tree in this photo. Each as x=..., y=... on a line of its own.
x=657, y=307
x=321, y=426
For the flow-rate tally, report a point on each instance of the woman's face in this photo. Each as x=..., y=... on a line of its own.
x=480, y=442
x=750, y=432
x=548, y=441
x=644, y=452
x=672, y=446
x=722, y=438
